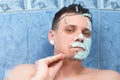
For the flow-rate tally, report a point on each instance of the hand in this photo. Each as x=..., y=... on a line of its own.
x=47, y=68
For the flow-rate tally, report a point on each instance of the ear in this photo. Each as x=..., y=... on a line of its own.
x=51, y=37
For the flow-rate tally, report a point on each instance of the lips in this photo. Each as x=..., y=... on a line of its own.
x=78, y=46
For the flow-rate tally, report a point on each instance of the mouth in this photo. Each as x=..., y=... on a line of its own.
x=78, y=46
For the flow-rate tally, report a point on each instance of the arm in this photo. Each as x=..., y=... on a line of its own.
x=22, y=72
x=44, y=69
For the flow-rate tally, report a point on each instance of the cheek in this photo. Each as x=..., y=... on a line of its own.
x=63, y=41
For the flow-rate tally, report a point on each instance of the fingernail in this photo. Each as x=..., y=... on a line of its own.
x=63, y=55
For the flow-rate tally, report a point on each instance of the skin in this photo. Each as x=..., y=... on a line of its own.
x=62, y=65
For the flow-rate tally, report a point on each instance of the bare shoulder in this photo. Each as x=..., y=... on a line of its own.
x=103, y=74
x=24, y=69
x=22, y=72
x=109, y=75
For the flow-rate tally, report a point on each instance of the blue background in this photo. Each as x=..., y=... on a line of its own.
x=24, y=25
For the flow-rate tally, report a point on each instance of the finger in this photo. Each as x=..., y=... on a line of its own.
x=55, y=68
x=41, y=70
x=55, y=58
x=52, y=59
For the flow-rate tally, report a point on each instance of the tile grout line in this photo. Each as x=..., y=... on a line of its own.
x=99, y=39
x=99, y=36
x=35, y=10
x=28, y=54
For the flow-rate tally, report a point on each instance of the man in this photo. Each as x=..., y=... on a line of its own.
x=71, y=37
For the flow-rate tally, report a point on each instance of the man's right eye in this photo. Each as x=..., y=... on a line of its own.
x=69, y=30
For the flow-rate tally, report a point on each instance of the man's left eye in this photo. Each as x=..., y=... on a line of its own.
x=87, y=33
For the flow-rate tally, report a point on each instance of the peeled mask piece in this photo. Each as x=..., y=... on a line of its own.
x=84, y=14
x=81, y=55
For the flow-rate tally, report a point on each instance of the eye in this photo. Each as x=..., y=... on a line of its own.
x=69, y=29
x=87, y=33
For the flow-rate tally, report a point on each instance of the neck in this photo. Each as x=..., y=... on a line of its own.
x=69, y=69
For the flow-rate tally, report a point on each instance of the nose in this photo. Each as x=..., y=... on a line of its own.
x=79, y=38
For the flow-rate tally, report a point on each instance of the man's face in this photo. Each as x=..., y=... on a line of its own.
x=68, y=32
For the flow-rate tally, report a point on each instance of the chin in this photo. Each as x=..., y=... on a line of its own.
x=78, y=59
x=71, y=58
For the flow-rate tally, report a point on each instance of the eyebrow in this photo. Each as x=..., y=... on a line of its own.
x=71, y=25
x=74, y=26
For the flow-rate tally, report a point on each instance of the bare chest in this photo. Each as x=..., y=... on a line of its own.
x=81, y=77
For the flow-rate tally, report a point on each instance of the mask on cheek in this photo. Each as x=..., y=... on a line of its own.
x=86, y=45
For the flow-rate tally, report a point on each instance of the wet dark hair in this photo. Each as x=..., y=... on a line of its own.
x=70, y=9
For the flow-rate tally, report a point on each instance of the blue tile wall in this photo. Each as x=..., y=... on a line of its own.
x=110, y=40
x=39, y=27
x=13, y=43
x=13, y=40
x=12, y=5
x=24, y=25
x=114, y=4
x=87, y=3
x=42, y=4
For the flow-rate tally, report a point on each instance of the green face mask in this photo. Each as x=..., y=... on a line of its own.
x=81, y=55
x=86, y=45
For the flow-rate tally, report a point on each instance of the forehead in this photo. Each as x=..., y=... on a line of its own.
x=74, y=19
